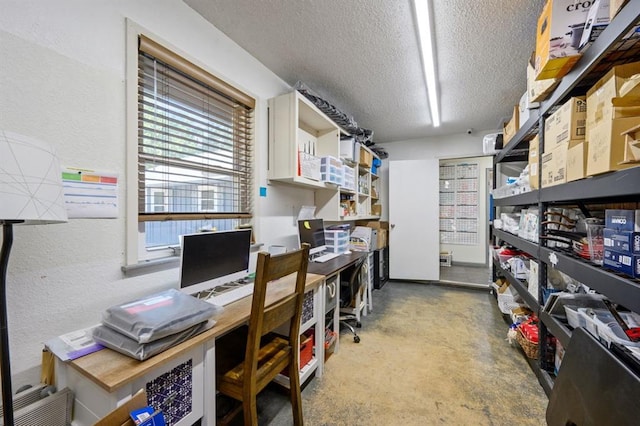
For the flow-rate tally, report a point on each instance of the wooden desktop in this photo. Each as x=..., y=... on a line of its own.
x=105, y=379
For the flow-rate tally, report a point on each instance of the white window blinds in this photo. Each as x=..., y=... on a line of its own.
x=195, y=141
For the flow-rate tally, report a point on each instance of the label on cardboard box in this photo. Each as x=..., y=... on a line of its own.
x=621, y=262
x=622, y=241
x=566, y=124
x=622, y=220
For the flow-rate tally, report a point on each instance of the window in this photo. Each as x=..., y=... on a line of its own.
x=195, y=153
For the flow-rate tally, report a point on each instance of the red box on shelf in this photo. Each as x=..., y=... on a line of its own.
x=306, y=350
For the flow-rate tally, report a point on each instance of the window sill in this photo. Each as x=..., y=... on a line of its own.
x=157, y=265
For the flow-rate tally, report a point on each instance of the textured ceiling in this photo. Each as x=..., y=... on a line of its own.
x=363, y=56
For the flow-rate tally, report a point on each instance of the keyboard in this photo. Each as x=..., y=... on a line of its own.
x=224, y=294
x=325, y=257
x=231, y=295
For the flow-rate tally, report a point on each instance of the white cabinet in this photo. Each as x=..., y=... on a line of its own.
x=298, y=132
x=299, y=136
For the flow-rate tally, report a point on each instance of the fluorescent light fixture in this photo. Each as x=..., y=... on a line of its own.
x=427, y=47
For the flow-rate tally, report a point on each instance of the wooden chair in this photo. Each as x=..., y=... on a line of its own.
x=268, y=354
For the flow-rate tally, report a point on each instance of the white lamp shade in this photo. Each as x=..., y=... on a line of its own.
x=30, y=181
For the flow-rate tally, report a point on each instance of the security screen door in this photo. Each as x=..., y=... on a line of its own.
x=414, y=243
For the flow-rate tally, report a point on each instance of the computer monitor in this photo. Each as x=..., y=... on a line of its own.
x=209, y=259
x=311, y=231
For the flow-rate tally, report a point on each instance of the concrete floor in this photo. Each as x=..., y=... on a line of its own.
x=429, y=354
x=465, y=274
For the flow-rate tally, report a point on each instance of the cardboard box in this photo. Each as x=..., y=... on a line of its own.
x=376, y=210
x=382, y=227
x=538, y=90
x=577, y=161
x=622, y=241
x=511, y=128
x=632, y=145
x=622, y=220
x=534, y=153
x=600, y=106
x=375, y=224
x=383, y=238
x=554, y=167
x=607, y=145
x=566, y=124
x=366, y=157
x=558, y=36
x=614, y=7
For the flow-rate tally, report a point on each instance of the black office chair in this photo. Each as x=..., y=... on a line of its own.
x=351, y=294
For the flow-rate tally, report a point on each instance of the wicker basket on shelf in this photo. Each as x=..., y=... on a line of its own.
x=531, y=349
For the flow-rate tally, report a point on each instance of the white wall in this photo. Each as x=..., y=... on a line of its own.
x=62, y=80
x=442, y=148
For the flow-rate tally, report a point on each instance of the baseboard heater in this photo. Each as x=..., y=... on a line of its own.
x=39, y=406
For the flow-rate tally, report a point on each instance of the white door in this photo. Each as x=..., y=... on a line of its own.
x=414, y=236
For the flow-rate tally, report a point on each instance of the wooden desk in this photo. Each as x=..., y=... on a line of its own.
x=103, y=380
x=335, y=265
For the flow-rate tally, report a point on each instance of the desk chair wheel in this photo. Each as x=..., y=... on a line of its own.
x=356, y=339
x=359, y=324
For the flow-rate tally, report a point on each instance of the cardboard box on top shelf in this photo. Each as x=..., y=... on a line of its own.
x=366, y=157
x=600, y=95
x=615, y=6
x=534, y=155
x=558, y=36
x=566, y=124
x=607, y=145
x=538, y=90
x=632, y=145
x=512, y=126
x=577, y=161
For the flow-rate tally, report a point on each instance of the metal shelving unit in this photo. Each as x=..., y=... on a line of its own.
x=528, y=247
x=622, y=186
x=527, y=198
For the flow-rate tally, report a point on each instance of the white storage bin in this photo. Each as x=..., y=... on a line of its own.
x=604, y=327
x=573, y=318
x=349, y=178
x=337, y=241
x=331, y=170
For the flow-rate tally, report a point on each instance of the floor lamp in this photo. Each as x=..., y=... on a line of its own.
x=30, y=193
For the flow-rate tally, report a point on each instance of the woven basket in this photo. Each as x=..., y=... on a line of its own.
x=531, y=349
